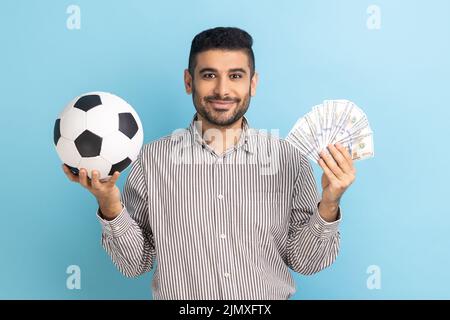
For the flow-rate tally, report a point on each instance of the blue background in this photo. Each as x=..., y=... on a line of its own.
x=396, y=212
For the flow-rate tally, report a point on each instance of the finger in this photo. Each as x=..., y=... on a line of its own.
x=345, y=152
x=114, y=178
x=69, y=174
x=95, y=180
x=84, y=178
x=332, y=165
x=340, y=159
x=330, y=175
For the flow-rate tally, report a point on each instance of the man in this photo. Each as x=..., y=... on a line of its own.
x=224, y=210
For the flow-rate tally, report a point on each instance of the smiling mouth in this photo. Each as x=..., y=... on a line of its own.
x=221, y=105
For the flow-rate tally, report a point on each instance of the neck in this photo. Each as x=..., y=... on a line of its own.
x=220, y=138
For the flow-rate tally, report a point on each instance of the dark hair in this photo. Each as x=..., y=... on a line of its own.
x=225, y=38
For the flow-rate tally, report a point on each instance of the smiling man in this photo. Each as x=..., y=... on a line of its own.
x=222, y=210
x=221, y=78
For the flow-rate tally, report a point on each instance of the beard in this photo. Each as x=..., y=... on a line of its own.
x=219, y=118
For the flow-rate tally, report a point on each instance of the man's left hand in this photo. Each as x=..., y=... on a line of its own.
x=338, y=174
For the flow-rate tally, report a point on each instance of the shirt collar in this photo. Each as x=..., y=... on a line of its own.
x=244, y=140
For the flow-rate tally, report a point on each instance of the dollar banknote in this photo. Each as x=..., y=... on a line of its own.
x=333, y=121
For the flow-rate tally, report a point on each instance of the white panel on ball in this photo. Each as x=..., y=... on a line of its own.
x=102, y=120
x=109, y=147
x=68, y=152
x=115, y=102
x=73, y=123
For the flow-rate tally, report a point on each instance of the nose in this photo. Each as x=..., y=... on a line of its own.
x=222, y=89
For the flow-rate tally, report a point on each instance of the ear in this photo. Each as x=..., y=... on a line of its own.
x=187, y=81
x=253, y=84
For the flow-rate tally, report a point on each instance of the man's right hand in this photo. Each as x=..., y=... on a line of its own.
x=106, y=193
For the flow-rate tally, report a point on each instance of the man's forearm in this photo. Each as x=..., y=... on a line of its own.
x=110, y=211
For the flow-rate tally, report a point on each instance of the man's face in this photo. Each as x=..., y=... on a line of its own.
x=221, y=86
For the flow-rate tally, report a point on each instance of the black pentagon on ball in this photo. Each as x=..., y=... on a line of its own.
x=88, y=144
x=127, y=124
x=57, y=131
x=88, y=102
x=119, y=166
x=74, y=170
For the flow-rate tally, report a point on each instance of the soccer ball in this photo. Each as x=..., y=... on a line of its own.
x=98, y=131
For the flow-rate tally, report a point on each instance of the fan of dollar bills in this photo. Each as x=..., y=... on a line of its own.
x=333, y=121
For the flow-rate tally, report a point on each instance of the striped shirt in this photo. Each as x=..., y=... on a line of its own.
x=226, y=226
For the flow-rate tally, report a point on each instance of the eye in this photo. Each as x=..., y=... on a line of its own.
x=209, y=76
x=235, y=76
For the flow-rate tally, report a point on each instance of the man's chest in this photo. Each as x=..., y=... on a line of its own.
x=215, y=198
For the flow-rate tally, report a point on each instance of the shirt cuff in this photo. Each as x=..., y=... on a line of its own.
x=322, y=228
x=117, y=226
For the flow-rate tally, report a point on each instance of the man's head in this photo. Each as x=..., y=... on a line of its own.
x=221, y=74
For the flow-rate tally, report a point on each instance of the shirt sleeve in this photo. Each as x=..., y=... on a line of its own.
x=128, y=238
x=313, y=243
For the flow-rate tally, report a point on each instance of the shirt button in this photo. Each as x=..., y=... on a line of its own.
x=226, y=275
x=223, y=236
x=316, y=225
x=220, y=196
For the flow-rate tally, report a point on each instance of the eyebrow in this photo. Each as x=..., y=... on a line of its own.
x=215, y=70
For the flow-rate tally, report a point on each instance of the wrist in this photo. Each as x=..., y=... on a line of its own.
x=328, y=210
x=110, y=211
